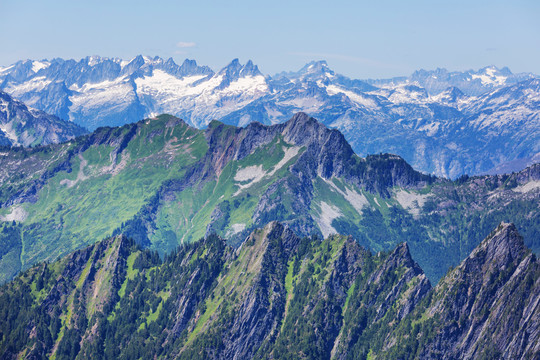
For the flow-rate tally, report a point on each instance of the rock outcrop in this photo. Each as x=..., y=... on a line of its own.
x=276, y=296
x=23, y=126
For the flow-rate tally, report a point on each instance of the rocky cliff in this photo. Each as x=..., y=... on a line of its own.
x=23, y=126
x=276, y=296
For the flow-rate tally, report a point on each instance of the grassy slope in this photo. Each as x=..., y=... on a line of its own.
x=186, y=217
x=65, y=218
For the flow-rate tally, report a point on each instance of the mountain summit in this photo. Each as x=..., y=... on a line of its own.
x=235, y=71
x=442, y=122
x=23, y=126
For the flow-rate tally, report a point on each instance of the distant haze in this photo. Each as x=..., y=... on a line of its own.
x=357, y=38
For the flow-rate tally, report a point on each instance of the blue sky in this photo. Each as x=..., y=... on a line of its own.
x=360, y=39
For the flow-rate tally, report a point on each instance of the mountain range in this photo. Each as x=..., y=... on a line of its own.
x=278, y=296
x=23, y=126
x=164, y=183
x=443, y=123
x=470, y=82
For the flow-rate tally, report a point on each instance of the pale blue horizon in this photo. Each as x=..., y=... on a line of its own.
x=358, y=39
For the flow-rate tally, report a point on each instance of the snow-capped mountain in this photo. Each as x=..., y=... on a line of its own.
x=23, y=126
x=471, y=82
x=446, y=123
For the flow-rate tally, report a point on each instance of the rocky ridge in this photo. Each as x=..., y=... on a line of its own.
x=23, y=126
x=487, y=307
x=163, y=183
x=276, y=296
x=445, y=123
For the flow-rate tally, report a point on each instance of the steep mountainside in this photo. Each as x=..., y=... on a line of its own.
x=445, y=123
x=488, y=307
x=277, y=296
x=164, y=183
x=22, y=126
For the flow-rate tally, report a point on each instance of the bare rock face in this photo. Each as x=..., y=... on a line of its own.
x=23, y=126
x=488, y=305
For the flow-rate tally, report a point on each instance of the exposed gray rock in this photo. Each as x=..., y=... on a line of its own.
x=23, y=126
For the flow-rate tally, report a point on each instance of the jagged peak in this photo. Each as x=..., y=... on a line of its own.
x=136, y=61
x=301, y=118
x=424, y=72
x=274, y=226
x=302, y=129
x=316, y=67
x=250, y=69
x=152, y=60
x=314, y=70
x=271, y=231
x=190, y=67
x=401, y=255
x=400, y=261
x=500, y=249
x=505, y=241
x=235, y=69
x=141, y=60
x=189, y=62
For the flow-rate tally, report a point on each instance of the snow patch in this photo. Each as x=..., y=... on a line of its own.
x=289, y=154
x=250, y=173
x=235, y=229
x=490, y=78
x=327, y=214
x=244, y=120
x=94, y=60
x=430, y=129
x=255, y=173
x=161, y=84
x=17, y=214
x=354, y=97
x=6, y=69
x=358, y=201
x=10, y=133
x=401, y=95
x=115, y=95
x=80, y=175
x=38, y=65
x=33, y=85
x=251, y=84
x=273, y=114
x=530, y=186
x=306, y=104
x=410, y=201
